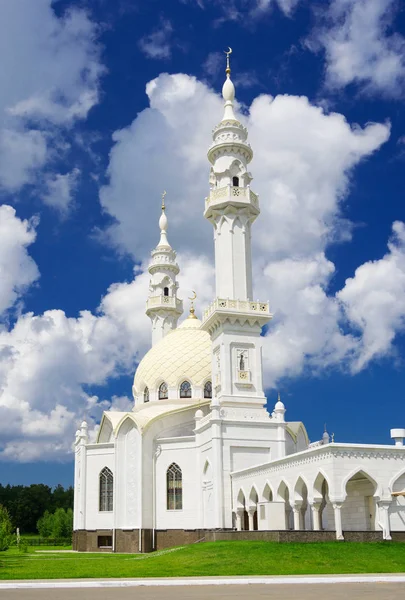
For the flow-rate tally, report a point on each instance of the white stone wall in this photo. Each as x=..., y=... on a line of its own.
x=358, y=510
x=183, y=454
x=98, y=457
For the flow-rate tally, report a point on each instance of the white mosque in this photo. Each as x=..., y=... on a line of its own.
x=199, y=456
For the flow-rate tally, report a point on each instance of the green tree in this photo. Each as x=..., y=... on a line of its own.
x=26, y=504
x=45, y=524
x=58, y=524
x=31, y=504
x=6, y=529
x=62, y=498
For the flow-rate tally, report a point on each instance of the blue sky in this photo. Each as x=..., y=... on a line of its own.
x=105, y=104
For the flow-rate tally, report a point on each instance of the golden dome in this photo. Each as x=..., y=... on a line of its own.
x=183, y=354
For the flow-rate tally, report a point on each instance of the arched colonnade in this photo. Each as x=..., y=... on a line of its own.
x=359, y=505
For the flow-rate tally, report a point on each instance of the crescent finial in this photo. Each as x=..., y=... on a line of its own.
x=192, y=310
x=228, y=68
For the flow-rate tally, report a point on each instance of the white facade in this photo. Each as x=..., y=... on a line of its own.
x=199, y=450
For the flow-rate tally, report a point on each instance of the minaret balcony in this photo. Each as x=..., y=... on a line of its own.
x=239, y=197
x=246, y=310
x=162, y=302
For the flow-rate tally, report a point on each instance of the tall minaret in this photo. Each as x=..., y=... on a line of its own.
x=234, y=320
x=163, y=307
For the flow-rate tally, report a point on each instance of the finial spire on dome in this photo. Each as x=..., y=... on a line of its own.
x=163, y=224
x=192, y=309
x=228, y=90
x=228, y=67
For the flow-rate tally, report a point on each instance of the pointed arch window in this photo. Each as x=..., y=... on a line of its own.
x=185, y=390
x=235, y=181
x=208, y=389
x=146, y=394
x=163, y=391
x=174, y=479
x=106, y=490
x=165, y=291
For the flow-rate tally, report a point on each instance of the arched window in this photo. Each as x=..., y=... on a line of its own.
x=146, y=394
x=163, y=391
x=165, y=291
x=235, y=181
x=185, y=390
x=208, y=390
x=174, y=487
x=106, y=490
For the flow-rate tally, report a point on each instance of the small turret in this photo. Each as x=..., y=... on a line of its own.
x=163, y=307
x=279, y=409
x=325, y=436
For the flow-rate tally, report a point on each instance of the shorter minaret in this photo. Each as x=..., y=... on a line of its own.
x=163, y=307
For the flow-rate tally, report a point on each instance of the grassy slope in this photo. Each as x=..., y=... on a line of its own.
x=219, y=558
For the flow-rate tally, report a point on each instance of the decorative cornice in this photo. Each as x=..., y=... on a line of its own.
x=314, y=455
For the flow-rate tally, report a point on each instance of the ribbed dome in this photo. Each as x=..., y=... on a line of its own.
x=183, y=354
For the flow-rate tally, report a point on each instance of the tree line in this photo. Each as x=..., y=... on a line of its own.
x=27, y=504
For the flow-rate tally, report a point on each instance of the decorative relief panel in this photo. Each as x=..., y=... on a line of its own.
x=243, y=374
x=217, y=383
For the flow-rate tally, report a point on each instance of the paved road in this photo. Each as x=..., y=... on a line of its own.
x=340, y=591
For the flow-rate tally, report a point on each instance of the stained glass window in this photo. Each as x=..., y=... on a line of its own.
x=208, y=390
x=185, y=390
x=106, y=490
x=163, y=391
x=174, y=487
x=146, y=394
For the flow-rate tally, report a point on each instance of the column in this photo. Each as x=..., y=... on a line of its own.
x=338, y=520
x=315, y=506
x=251, y=513
x=239, y=518
x=384, y=507
x=297, y=516
x=217, y=467
x=82, y=439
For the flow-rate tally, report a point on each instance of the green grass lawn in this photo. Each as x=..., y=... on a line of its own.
x=217, y=558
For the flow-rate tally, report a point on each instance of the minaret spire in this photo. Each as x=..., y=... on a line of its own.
x=228, y=90
x=163, y=307
x=163, y=224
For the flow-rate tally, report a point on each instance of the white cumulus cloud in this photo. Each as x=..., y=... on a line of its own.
x=60, y=190
x=158, y=43
x=49, y=79
x=17, y=269
x=360, y=46
x=374, y=300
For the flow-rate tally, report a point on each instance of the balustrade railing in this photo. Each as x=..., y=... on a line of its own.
x=234, y=193
x=236, y=305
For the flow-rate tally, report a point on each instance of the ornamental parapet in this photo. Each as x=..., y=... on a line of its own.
x=235, y=195
x=332, y=451
x=247, y=307
x=164, y=302
x=230, y=146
